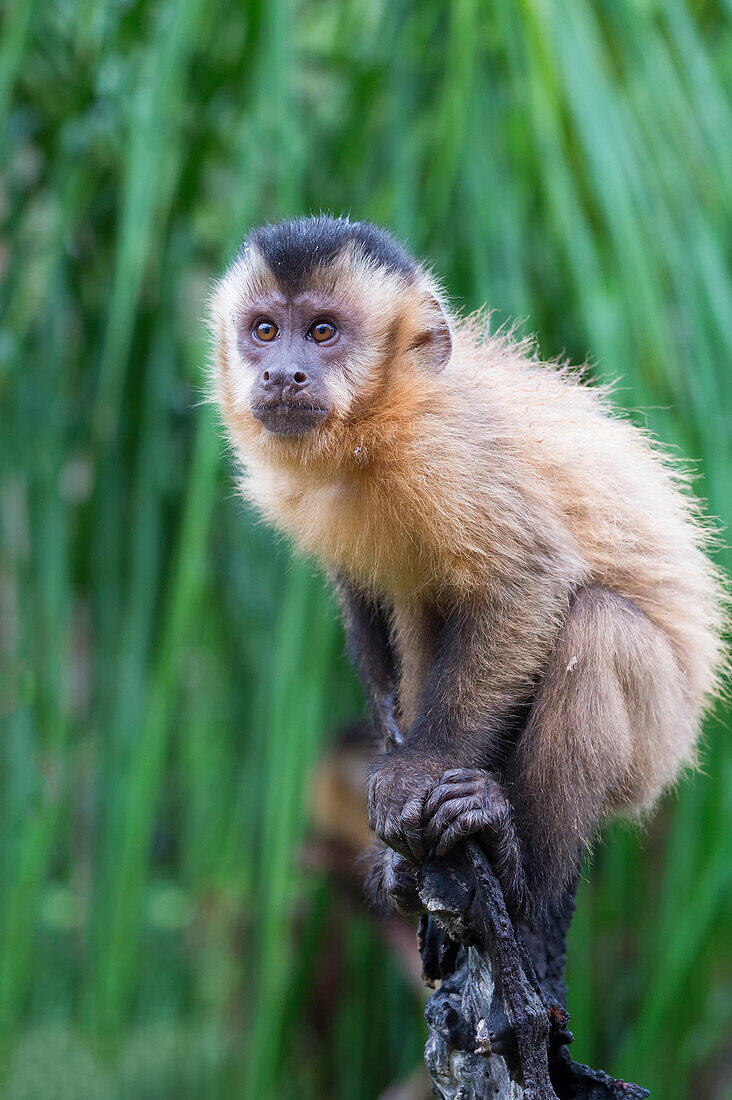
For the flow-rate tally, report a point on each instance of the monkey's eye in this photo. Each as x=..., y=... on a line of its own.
x=321, y=331
x=265, y=330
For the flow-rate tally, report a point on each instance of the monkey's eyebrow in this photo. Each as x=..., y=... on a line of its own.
x=261, y=299
x=317, y=300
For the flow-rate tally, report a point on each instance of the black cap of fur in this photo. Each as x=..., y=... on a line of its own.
x=294, y=248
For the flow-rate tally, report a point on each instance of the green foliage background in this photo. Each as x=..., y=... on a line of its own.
x=168, y=678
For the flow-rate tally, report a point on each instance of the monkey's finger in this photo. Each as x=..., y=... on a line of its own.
x=395, y=838
x=378, y=811
x=461, y=775
x=449, y=812
x=412, y=826
x=496, y=817
x=441, y=795
x=372, y=807
x=464, y=825
x=481, y=781
x=377, y=824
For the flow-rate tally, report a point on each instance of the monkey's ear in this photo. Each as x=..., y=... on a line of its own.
x=434, y=340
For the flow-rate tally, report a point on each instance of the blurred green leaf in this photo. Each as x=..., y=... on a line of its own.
x=169, y=677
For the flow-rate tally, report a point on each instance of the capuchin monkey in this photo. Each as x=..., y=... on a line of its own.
x=522, y=573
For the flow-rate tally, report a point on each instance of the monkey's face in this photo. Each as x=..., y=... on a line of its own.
x=310, y=321
x=294, y=353
x=298, y=362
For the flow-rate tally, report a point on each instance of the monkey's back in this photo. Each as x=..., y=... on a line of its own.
x=625, y=503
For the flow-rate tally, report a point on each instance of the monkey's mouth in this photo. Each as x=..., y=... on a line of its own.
x=288, y=418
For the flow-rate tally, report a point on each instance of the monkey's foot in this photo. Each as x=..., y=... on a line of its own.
x=469, y=802
x=392, y=883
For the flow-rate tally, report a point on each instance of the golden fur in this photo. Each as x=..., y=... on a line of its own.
x=503, y=483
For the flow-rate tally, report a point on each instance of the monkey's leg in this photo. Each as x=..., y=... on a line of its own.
x=610, y=701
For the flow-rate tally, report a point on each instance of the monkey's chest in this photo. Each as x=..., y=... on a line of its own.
x=377, y=547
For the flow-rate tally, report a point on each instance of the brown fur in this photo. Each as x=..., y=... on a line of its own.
x=610, y=696
x=509, y=487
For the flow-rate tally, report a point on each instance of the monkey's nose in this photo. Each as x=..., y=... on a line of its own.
x=286, y=381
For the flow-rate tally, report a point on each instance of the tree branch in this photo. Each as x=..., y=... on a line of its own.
x=498, y=1024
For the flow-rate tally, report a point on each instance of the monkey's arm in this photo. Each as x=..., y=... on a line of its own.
x=611, y=684
x=465, y=718
x=367, y=639
x=390, y=880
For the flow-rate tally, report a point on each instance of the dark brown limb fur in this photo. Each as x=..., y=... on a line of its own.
x=369, y=647
x=533, y=799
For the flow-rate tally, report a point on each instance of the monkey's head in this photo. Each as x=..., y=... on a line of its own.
x=309, y=321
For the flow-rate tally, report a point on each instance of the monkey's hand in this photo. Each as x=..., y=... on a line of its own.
x=470, y=802
x=391, y=883
x=399, y=785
